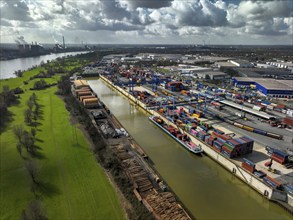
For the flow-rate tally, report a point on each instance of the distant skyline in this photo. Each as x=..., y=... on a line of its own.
x=212, y=22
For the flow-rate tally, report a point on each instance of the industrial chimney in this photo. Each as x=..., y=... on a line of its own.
x=63, y=43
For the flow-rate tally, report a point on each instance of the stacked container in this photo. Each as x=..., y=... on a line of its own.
x=206, y=139
x=272, y=182
x=228, y=148
x=201, y=135
x=193, y=132
x=223, y=136
x=248, y=165
x=249, y=144
x=218, y=144
x=218, y=131
x=211, y=140
x=259, y=173
x=242, y=148
x=279, y=156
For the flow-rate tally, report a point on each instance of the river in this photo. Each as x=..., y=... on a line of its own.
x=205, y=188
x=8, y=67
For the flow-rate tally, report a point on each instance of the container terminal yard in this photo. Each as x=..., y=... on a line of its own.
x=254, y=145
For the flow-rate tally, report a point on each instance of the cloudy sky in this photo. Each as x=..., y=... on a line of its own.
x=148, y=21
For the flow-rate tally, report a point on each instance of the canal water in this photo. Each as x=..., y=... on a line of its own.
x=8, y=67
x=205, y=188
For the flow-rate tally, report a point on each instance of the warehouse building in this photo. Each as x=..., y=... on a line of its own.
x=213, y=75
x=268, y=87
x=264, y=72
x=242, y=63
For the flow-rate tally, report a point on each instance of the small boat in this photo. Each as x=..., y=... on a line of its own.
x=182, y=139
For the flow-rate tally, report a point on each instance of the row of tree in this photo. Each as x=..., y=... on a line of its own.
x=8, y=97
x=26, y=143
x=32, y=113
x=103, y=154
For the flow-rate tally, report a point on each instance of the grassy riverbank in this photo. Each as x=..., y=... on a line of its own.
x=73, y=185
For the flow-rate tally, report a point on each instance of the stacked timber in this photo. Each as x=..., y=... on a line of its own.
x=164, y=206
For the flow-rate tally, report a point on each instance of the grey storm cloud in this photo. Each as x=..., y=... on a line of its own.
x=165, y=18
x=200, y=13
x=5, y=22
x=15, y=10
x=113, y=10
x=272, y=27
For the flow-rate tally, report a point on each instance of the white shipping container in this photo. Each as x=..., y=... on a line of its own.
x=255, y=107
x=270, y=107
x=290, y=113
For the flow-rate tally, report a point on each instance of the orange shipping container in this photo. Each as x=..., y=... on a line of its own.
x=86, y=97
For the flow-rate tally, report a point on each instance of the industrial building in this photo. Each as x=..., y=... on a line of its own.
x=264, y=72
x=284, y=65
x=213, y=75
x=242, y=63
x=269, y=87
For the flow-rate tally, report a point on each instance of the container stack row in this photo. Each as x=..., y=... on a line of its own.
x=248, y=165
x=230, y=147
x=272, y=182
x=279, y=156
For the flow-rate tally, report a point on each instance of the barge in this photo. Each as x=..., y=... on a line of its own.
x=182, y=139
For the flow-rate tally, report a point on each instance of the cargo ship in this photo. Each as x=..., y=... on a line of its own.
x=182, y=139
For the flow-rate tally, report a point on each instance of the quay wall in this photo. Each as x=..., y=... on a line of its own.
x=253, y=181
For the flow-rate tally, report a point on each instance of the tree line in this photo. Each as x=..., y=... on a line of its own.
x=103, y=154
x=27, y=150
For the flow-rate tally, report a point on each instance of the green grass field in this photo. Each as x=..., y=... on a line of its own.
x=74, y=186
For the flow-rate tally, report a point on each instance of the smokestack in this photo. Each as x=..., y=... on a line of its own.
x=63, y=43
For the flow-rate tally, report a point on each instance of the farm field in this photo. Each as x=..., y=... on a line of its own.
x=72, y=184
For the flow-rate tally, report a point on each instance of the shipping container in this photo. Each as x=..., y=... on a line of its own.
x=258, y=131
x=81, y=98
x=276, y=136
x=272, y=182
x=238, y=125
x=248, y=128
x=259, y=173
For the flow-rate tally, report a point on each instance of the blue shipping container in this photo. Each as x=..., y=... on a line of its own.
x=250, y=163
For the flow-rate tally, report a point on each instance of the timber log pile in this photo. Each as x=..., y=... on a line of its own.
x=163, y=205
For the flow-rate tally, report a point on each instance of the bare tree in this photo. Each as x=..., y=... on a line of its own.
x=18, y=131
x=33, y=98
x=34, y=211
x=32, y=169
x=28, y=141
x=19, y=148
x=28, y=116
x=33, y=132
x=30, y=104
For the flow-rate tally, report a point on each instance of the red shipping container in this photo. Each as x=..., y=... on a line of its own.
x=278, y=156
x=234, y=142
x=278, y=160
x=226, y=149
x=247, y=167
x=281, y=106
x=216, y=149
x=223, y=136
x=274, y=180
